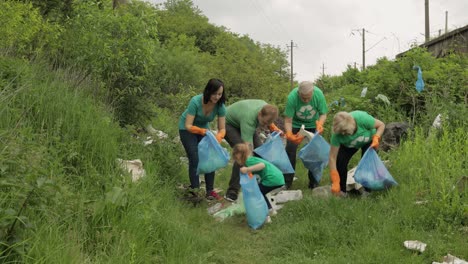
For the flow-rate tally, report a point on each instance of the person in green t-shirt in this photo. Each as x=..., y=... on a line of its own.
x=193, y=124
x=351, y=132
x=306, y=105
x=242, y=119
x=270, y=176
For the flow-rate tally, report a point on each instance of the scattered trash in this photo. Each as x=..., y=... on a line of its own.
x=419, y=81
x=160, y=134
x=383, y=98
x=148, y=141
x=421, y=202
x=393, y=134
x=415, y=245
x=135, y=167
x=234, y=209
x=351, y=184
x=449, y=259
x=437, y=122
x=305, y=133
x=286, y=196
x=215, y=208
x=364, y=92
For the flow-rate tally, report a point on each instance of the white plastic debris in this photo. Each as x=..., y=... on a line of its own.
x=135, y=167
x=364, y=92
x=215, y=208
x=449, y=259
x=383, y=98
x=415, y=245
x=305, y=133
x=286, y=196
x=437, y=121
x=148, y=141
x=351, y=184
x=160, y=134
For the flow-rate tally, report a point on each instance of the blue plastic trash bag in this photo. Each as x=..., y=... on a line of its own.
x=419, y=81
x=254, y=202
x=371, y=172
x=273, y=151
x=314, y=155
x=211, y=156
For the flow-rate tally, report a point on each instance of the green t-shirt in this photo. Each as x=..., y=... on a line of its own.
x=365, y=130
x=270, y=175
x=195, y=108
x=243, y=115
x=305, y=113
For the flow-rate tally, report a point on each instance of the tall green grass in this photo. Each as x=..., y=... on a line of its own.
x=59, y=180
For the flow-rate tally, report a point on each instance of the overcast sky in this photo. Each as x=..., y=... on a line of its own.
x=329, y=32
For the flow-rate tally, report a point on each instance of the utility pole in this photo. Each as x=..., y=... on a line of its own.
x=446, y=21
x=426, y=9
x=363, y=49
x=292, y=72
x=323, y=69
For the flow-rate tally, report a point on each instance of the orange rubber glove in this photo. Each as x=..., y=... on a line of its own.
x=296, y=139
x=197, y=130
x=375, y=141
x=220, y=135
x=274, y=128
x=335, y=179
x=319, y=126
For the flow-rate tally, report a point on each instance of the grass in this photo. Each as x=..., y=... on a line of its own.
x=59, y=180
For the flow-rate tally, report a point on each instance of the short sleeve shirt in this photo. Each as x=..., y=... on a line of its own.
x=243, y=115
x=195, y=108
x=305, y=113
x=270, y=175
x=365, y=124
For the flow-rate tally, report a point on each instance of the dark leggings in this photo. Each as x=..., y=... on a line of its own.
x=266, y=189
x=344, y=156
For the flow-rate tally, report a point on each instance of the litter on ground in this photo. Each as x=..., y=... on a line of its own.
x=134, y=167
x=415, y=245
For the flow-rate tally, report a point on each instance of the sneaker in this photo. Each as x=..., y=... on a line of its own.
x=231, y=197
x=268, y=220
x=213, y=196
x=272, y=212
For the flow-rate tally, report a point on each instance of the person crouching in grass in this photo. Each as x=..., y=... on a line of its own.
x=270, y=176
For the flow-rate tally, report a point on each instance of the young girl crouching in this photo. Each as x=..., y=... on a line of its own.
x=270, y=176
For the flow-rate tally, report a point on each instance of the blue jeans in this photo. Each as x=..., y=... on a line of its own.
x=190, y=142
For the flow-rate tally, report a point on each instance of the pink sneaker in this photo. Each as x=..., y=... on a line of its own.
x=213, y=196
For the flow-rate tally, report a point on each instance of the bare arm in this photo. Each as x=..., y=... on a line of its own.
x=287, y=124
x=256, y=167
x=322, y=118
x=380, y=127
x=221, y=123
x=332, y=157
x=189, y=121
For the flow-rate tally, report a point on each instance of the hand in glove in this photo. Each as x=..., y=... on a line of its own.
x=197, y=130
x=375, y=141
x=319, y=126
x=335, y=179
x=294, y=138
x=274, y=128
